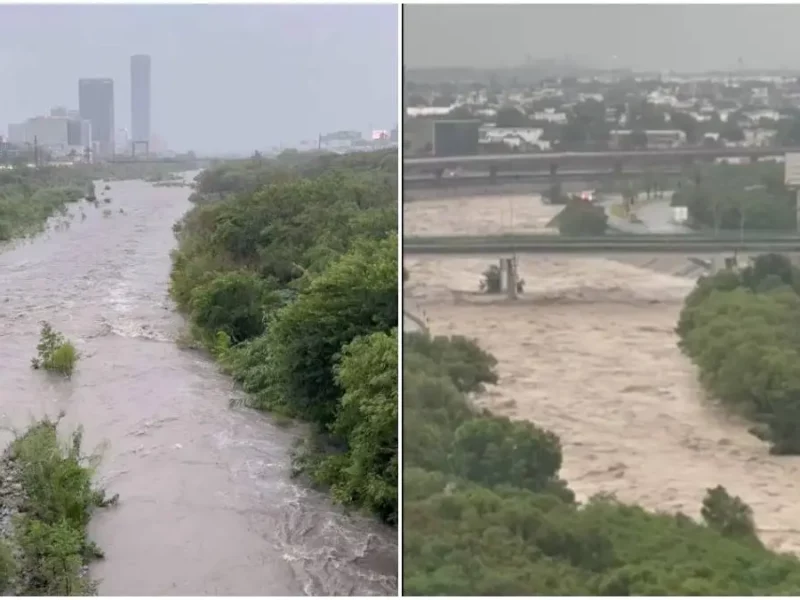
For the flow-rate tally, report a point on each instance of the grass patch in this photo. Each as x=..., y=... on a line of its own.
x=55, y=353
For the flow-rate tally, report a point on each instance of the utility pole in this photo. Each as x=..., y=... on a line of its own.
x=36, y=151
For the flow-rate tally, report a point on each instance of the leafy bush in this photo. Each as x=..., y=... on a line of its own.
x=728, y=514
x=55, y=352
x=234, y=304
x=366, y=473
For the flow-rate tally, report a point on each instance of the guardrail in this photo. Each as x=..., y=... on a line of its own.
x=621, y=243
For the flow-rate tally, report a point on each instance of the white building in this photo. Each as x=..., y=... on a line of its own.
x=657, y=138
x=49, y=132
x=528, y=138
x=59, y=135
x=550, y=114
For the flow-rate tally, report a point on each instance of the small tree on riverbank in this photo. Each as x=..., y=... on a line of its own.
x=582, y=218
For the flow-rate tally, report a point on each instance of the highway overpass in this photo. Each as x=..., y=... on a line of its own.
x=613, y=161
x=611, y=244
x=538, y=181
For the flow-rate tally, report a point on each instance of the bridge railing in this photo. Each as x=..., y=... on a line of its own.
x=624, y=243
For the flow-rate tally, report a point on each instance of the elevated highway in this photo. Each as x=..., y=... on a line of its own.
x=607, y=245
x=538, y=181
x=612, y=161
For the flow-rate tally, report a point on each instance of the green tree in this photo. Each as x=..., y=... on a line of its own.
x=509, y=116
x=581, y=218
x=355, y=296
x=235, y=304
x=366, y=474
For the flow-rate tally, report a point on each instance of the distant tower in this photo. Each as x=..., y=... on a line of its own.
x=96, y=105
x=140, y=102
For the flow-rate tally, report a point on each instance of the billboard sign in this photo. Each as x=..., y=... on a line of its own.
x=680, y=214
x=456, y=137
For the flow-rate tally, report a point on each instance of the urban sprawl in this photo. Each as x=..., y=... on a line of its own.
x=601, y=112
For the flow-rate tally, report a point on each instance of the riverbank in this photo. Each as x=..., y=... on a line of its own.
x=290, y=284
x=186, y=458
x=28, y=198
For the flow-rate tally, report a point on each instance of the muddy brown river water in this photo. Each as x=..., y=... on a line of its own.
x=589, y=352
x=207, y=506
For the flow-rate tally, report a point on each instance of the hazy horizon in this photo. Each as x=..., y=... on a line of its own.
x=225, y=78
x=687, y=38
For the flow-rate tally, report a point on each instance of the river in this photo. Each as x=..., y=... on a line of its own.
x=589, y=351
x=207, y=505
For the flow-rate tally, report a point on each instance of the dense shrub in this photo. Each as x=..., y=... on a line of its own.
x=50, y=530
x=55, y=352
x=742, y=330
x=580, y=218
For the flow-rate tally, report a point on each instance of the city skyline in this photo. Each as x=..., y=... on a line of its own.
x=229, y=79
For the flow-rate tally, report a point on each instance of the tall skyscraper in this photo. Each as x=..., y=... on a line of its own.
x=140, y=99
x=96, y=105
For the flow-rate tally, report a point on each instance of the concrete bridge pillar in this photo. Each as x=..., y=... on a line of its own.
x=493, y=174
x=797, y=209
x=508, y=277
x=722, y=263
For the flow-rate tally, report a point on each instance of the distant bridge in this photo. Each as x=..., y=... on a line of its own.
x=136, y=160
x=613, y=161
x=611, y=244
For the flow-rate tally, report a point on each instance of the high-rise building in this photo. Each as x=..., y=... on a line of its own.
x=140, y=99
x=96, y=105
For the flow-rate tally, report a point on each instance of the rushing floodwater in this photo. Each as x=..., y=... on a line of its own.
x=206, y=503
x=589, y=352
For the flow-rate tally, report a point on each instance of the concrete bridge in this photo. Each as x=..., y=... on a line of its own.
x=190, y=164
x=551, y=163
x=696, y=245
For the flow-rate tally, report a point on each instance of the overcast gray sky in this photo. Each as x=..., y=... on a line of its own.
x=224, y=78
x=644, y=37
